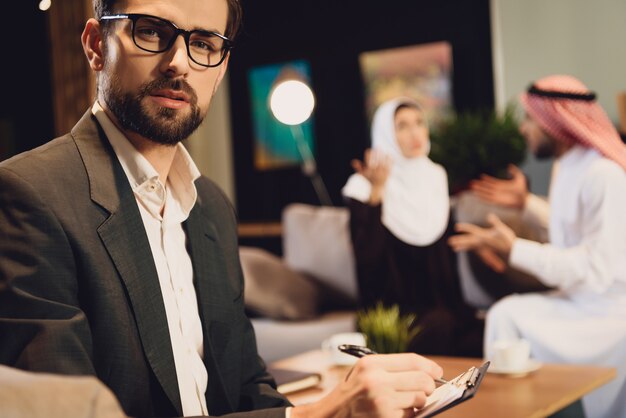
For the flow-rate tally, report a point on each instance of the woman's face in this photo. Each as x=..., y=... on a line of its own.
x=411, y=132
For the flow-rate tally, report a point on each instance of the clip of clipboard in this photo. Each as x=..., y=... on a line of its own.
x=457, y=390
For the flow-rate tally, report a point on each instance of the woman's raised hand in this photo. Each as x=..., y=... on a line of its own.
x=375, y=168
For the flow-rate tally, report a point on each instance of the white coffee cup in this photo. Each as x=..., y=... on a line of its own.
x=510, y=355
x=330, y=345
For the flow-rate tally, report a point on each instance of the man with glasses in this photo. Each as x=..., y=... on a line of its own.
x=119, y=260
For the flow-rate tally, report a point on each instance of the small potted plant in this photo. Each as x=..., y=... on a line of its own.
x=385, y=329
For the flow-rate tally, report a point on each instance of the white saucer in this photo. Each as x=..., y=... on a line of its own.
x=531, y=366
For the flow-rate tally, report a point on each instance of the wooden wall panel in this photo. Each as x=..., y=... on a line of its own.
x=73, y=82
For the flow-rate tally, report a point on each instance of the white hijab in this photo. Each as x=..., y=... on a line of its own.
x=416, y=205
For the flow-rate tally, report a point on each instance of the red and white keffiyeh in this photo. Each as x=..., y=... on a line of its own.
x=566, y=109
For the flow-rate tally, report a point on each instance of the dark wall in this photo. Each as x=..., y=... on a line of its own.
x=26, y=118
x=331, y=34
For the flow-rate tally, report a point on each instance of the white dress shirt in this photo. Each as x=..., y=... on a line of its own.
x=163, y=208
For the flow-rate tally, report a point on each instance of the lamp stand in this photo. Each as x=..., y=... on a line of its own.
x=309, y=166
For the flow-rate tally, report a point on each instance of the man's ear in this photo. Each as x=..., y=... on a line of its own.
x=221, y=74
x=92, y=44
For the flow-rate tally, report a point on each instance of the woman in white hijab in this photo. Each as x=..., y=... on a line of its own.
x=399, y=207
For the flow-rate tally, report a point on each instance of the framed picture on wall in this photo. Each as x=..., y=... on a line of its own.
x=274, y=144
x=422, y=72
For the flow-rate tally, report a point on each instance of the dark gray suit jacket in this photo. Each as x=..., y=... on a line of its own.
x=79, y=291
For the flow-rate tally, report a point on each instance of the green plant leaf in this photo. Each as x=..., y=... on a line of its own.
x=469, y=144
x=386, y=330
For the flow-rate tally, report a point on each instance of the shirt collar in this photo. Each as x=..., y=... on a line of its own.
x=141, y=174
x=575, y=154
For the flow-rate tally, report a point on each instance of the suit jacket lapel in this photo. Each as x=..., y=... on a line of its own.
x=214, y=303
x=125, y=239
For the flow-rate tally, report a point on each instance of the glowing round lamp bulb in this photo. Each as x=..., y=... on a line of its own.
x=45, y=5
x=292, y=102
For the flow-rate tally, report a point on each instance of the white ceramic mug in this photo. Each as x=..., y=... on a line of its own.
x=510, y=355
x=330, y=345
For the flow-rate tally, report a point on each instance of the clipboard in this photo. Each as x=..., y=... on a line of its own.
x=455, y=391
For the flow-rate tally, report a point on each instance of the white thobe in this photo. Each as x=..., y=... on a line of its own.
x=584, y=321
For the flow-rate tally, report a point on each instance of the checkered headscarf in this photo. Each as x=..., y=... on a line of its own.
x=566, y=109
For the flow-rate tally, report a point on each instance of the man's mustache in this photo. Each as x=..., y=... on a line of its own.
x=168, y=83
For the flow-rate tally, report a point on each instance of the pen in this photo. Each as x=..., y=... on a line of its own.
x=360, y=351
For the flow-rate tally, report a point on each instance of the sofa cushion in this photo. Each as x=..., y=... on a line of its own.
x=316, y=241
x=274, y=290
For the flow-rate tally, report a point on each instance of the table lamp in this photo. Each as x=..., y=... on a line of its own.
x=292, y=103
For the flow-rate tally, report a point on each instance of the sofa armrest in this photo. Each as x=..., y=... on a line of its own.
x=277, y=339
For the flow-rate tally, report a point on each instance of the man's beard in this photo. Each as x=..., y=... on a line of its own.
x=166, y=127
x=545, y=149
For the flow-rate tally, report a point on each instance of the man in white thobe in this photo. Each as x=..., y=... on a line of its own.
x=582, y=321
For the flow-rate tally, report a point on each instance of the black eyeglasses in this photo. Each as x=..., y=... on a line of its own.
x=153, y=34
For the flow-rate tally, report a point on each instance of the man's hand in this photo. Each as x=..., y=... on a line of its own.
x=510, y=193
x=491, y=259
x=379, y=386
x=498, y=238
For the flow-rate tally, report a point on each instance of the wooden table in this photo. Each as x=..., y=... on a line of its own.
x=260, y=229
x=538, y=394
